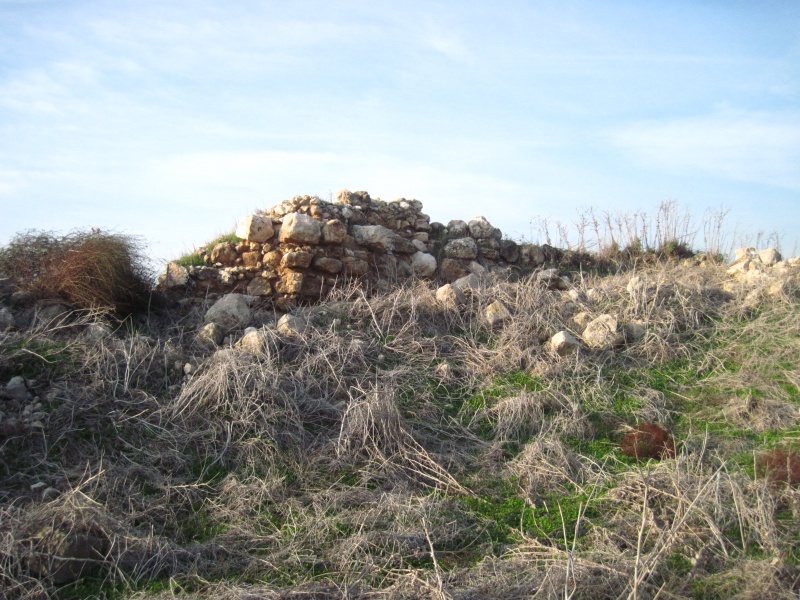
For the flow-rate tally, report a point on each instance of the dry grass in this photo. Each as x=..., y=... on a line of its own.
x=403, y=450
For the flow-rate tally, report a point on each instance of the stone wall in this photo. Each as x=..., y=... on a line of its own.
x=300, y=249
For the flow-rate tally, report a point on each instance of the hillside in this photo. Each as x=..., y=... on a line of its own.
x=630, y=430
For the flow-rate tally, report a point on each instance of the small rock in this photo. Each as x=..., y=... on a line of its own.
x=188, y=369
x=292, y=325
x=16, y=389
x=230, y=311
x=97, y=331
x=6, y=319
x=423, y=264
x=603, y=333
x=450, y=296
x=174, y=275
x=770, y=256
x=467, y=283
x=564, y=343
x=212, y=333
x=496, y=313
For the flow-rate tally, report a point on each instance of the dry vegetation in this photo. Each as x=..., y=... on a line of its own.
x=403, y=450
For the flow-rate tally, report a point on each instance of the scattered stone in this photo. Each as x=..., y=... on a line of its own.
x=552, y=279
x=259, y=341
x=292, y=325
x=230, y=312
x=770, y=257
x=468, y=283
x=212, y=333
x=634, y=331
x=97, y=331
x=603, y=333
x=188, y=369
x=255, y=228
x=564, y=343
x=636, y=286
x=16, y=389
x=6, y=319
x=450, y=296
x=582, y=319
x=496, y=313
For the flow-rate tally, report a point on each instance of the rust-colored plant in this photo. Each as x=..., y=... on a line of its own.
x=648, y=440
x=779, y=466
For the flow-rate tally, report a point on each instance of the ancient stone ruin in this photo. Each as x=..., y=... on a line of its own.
x=300, y=249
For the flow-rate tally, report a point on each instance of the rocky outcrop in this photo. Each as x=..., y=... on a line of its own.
x=300, y=249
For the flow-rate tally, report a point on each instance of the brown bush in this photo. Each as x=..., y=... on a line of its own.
x=779, y=466
x=90, y=270
x=648, y=440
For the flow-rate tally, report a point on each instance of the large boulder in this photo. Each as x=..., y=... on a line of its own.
x=255, y=228
x=298, y=228
x=230, y=311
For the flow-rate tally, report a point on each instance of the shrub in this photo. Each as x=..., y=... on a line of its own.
x=90, y=270
x=780, y=466
x=648, y=441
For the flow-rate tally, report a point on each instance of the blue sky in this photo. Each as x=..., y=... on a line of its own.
x=171, y=119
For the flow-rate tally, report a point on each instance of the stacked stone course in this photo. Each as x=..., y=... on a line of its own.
x=300, y=249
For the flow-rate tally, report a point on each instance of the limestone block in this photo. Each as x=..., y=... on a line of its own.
x=173, y=276
x=423, y=264
x=334, y=232
x=419, y=245
x=298, y=228
x=603, y=333
x=451, y=270
x=745, y=253
x=259, y=287
x=251, y=259
x=468, y=283
x=230, y=311
x=224, y=253
x=376, y=237
x=480, y=228
x=300, y=260
x=457, y=228
x=328, y=265
x=509, y=251
x=401, y=245
x=770, y=256
x=255, y=228
x=564, y=343
x=531, y=255
x=496, y=313
x=355, y=267
x=290, y=283
x=464, y=248
x=273, y=258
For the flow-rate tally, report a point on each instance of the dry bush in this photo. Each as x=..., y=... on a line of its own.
x=648, y=440
x=779, y=466
x=90, y=270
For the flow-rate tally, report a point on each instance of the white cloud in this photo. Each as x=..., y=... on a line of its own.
x=757, y=147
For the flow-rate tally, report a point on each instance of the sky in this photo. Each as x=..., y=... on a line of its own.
x=172, y=119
